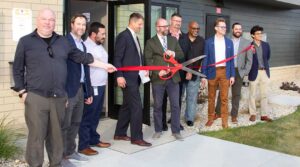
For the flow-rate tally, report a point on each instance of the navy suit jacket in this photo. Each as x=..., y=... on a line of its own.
x=266, y=56
x=74, y=75
x=126, y=54
x=209, y=51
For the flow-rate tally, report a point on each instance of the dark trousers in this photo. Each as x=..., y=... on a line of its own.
x=236, y=96
x=91, y=115
x=44, y=117
x=158, y=92
x=165, y=101
x=72, y=121
x=130, y=113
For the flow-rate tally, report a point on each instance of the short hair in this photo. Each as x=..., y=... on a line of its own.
x=94, y=27
x=176, y=15
x=76, y=16
x=218, y=20
x=234, y=24
x=135, y=16
x=256, y=28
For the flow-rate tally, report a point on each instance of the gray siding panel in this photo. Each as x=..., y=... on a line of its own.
x=281, y=26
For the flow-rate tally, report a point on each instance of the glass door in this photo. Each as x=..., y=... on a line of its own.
x=118, y=21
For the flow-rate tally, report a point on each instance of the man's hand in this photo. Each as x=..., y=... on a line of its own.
x=170, y=53
x=146, y=73
x=121, y=82
x=24, y=95
x=110, y=68
x=231, y=81
x=67, y=103
x=89, y=100
x=203, y=82
x=163, y=72
x=188, y=76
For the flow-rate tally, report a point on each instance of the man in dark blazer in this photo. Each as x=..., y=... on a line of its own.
x=154, y=50
x=79, y=91
x=218, y=48
x=242, y=64
x=128, y=52
x=259, y=74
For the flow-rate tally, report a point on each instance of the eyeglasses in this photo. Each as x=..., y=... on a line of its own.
x=222, y=27
x=195, y=28
x=163, y=26
x=259, y=33
x=50, y=51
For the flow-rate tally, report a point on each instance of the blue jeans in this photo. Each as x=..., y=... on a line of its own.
x=91, y=115
x=191, y=99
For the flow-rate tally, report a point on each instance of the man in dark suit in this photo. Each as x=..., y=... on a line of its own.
x=155, y=48
x=78, y=88
x=128, y=52
x=242, y=64
x=259, y=74
x=218, y=48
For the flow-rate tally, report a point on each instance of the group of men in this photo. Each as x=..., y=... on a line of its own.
x=62, y=81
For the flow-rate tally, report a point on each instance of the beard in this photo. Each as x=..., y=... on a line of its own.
x=237, y=35
x=100, y=42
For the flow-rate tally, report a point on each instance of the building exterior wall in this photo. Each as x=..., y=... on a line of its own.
x=281, y=26
x=10, y=103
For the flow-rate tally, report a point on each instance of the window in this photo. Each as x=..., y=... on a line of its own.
x=161, y=10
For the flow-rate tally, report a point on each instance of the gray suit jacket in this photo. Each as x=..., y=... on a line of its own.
x=244, y=60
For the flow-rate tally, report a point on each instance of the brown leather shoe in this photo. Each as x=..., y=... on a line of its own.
x=252, y=118
x=209, y=123
x=88, y=151
x=141, y=143
x=126, y=138
x=103, y=144
x=234, y=119
x=217, y=116
x=266, y=118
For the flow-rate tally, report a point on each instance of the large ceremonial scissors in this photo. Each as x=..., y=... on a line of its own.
x=182, y=66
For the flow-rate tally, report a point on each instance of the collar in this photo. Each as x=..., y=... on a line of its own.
x=91, y=42
x=75, y=38
x=132, y=32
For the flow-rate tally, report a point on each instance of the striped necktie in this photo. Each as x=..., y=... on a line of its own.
x=164, y=43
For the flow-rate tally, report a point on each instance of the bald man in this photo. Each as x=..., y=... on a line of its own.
x=192, y=46
x=155, y=48
x=41, y=58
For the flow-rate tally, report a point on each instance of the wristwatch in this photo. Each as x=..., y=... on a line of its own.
x=21, y=94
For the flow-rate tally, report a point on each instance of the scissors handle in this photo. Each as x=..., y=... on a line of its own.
x=172, y=71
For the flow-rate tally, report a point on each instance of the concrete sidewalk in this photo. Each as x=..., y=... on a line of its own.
x=194, y=151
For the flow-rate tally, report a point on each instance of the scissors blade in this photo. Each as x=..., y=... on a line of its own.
x=193, y=60
x=193, y=72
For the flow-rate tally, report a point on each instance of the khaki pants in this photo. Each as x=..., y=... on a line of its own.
x=223, y=83
x=44, y=118
x=262, y=80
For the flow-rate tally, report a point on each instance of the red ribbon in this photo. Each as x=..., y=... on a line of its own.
x=158, y=68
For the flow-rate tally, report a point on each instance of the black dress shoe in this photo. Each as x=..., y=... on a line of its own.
x=141, y=143
x=190, y=123
x=165, y=127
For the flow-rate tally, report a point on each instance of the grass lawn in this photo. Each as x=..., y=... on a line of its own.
x=282, y=135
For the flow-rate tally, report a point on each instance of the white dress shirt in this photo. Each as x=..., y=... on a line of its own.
x=98, y=75
x=220, y=51
x=236, y=44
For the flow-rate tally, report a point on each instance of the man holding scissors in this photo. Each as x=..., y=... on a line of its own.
x=155, y=48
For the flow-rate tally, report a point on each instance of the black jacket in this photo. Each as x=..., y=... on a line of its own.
x=45, y=75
